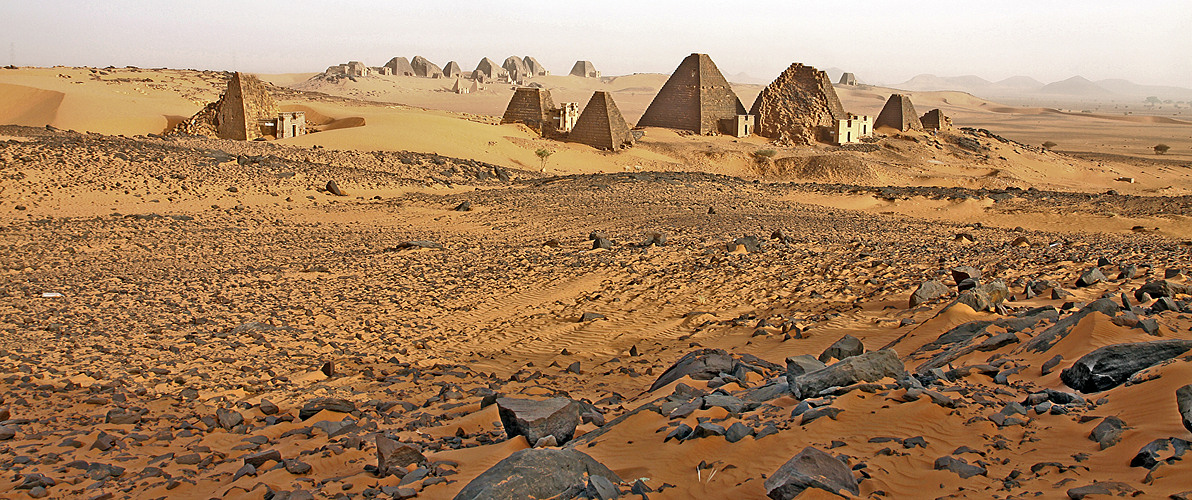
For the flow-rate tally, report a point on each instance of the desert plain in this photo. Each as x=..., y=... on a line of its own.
x=958, y=314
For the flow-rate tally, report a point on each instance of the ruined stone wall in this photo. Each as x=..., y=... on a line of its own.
x=800, y=107
x=602, y=125
x=241, y=109
x=935, y=120
x=695, y=97
x=530, y=106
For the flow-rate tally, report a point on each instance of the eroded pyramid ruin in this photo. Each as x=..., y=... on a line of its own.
x=239, y=114
x=800, y=106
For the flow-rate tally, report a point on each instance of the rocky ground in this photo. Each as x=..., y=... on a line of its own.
x=445, y=328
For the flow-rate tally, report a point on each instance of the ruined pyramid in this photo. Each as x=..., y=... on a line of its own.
x=695, y=97
x=898, y=114
x=601, y=125
x=530, y=106
x=800, y=106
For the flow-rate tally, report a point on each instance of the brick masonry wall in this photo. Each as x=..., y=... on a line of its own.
x=898, y=113
x=601, y=124
x=695, y=97
x=530, y=106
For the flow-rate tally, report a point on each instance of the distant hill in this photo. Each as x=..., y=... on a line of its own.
x=1077, y=87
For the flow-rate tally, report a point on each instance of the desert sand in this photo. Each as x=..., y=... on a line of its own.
x=188, y=317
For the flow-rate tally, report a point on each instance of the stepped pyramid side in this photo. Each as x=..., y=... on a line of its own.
x=601, y=125
x=695, y=97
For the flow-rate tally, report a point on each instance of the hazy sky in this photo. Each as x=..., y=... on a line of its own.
x=1148, y=41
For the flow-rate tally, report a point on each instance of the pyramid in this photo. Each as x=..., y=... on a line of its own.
x=534, y=67
x=848, y=79
x=426, y=69
x=400, y=66
x=459, y=87
x=515, y=67
x=489, y=70
x=601, y=125
x=695, y=97
x=584, y=69
x=935, y=120
x=530, y=106
x=451, y=70
x=799, y=106
x=241, y=109
x=899, y=114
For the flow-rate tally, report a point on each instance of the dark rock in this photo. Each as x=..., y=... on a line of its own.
x=259, y=459
x=1128, y=272
x=104, y=441
x=297, y=467
x=708, y=429
x=1161, y=288
x=228, y=418
x=985, y=297
x=602, y=242
x=737, y=432
x=1091, y=277
x=812, y=415
x=848, y=346
x=958, y=465
x=537, y=473
x=811, y=468
x=268, y=408
x=393, y=456
x=1107, y=488
x=590, y=316
x=1160, y=451
x=927, y=291
x=1183, y=399
x=1059, y=294
x=464, y=206
x=751, y=244
x=7, y=432
x=1108, y=432
x=704, y=364
x=961, y=273
x=600, y=488
x=680, y=432
x=535, y=420
x=1110, y=366
x=803, y=363
x=333, y=188
x=317, y=405
x=868, y=367
x=1050, y=364
x=655, y=239
x=118, y=416
x=244, y=470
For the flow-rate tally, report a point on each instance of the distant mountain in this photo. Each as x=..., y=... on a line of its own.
x=1077, y=86
x=1019, y=83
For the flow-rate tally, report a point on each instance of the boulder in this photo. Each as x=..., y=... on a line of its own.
x=317, y=405
x=847, y=347
x=1091, y=277
x=1108, y=432
x=1162, y=288
x=393, y=456
x=958, y=465
x=704, y=364
x=1183, y=398
x=985, y=297
x=1160, y=451
x=811, y=468
x=1110, y=366
x=1105, y=488
x=961, y=273
x=869, y=367
x=535, y=420
x=928, y=290
x=537, y=473
x=803, y=363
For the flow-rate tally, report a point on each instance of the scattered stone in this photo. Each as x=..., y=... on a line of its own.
x=961, y=273
x=228, y=419
x=537, y=473
x=811, y=468
x=333, y=188
x=1091, y=277
x=1160, y=451
x=1183, y=398
x=847, y=347
x=464, y=206
x=958, y=465
x=1107, y=488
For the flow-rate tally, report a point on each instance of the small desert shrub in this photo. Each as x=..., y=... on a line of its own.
x=1049, y=145
x=1161, y=148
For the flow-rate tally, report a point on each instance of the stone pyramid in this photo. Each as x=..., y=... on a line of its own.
x=601, y=125
x=243, y=106
x=898, y=114
x=426, y=69
x=534, y=67
x=400, y=66
x=695, y=97
x=584, y=69
x=800, y=106
x=530, y=106
x=452, y=70
x=488, y=69
x=515, y=67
